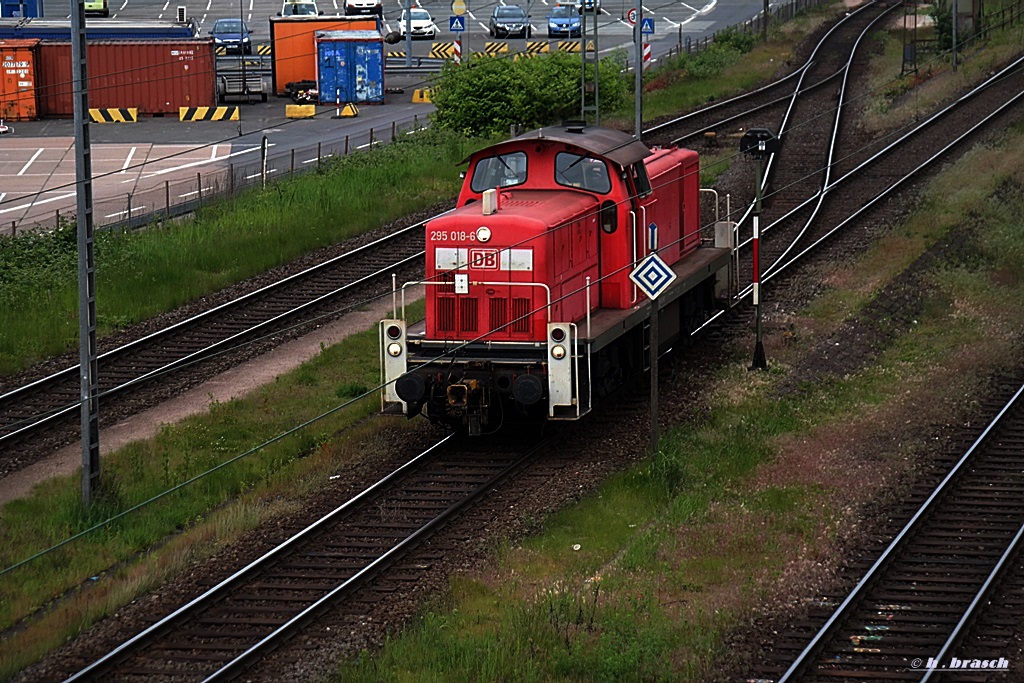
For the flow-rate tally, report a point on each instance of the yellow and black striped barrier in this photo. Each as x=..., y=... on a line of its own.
x=222, y=51
x=568, y=46
x=442, y=50
x=396, y=54
x=536, y=47
x=130, y=115
x=421, y=95
x=495, y=48
x=208, y=113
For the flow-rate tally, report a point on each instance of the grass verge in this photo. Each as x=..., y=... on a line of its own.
x=52, y=599
x=224, y=244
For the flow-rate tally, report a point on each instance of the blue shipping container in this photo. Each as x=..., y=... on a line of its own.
x=350, y=66
x=21, y=8
x=102, y=29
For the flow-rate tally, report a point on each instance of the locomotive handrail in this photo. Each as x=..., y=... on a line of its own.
x=632, y=216
x=547, y=292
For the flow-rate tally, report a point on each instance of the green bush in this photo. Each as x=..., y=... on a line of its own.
x=489, y=95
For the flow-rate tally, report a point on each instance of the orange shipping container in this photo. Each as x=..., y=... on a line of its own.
x=18, y=100
x=155, y=76
x=293, y=41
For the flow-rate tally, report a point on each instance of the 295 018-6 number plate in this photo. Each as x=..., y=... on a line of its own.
x=452, y=236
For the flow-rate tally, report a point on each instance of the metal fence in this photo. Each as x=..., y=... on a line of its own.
x=175, y=198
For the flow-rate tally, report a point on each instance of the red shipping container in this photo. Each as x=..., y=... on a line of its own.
x=17, y=80
x=154, y=76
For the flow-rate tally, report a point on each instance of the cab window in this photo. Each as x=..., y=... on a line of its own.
x=585, y=173
x=641, y=182
x=499, y=170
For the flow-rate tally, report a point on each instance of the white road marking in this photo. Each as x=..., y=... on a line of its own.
x=189, y=194
x=203, y=162
x=258, y=175
x=213, y=152
x=29, y=162
x=2, y=195
x=122, y=213
x=128, y=161
x=37, y=203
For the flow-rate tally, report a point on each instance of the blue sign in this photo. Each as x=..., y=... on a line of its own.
x=652, y=276
x=456, y=24
x=647, y=26
x=653, y=241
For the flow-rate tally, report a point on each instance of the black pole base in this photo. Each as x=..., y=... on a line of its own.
x=760, y=362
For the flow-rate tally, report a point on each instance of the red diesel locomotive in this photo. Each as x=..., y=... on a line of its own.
x=530, y=307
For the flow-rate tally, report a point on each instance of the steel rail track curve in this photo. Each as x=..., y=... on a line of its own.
x=955, y=487
x=32, y=407
x=435, y=486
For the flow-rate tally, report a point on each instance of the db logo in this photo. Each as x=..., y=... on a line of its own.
x=483, y=259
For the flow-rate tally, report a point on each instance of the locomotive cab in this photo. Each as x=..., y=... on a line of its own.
x=529, y=304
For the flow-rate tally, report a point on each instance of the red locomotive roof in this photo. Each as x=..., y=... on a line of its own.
x=622, y=148
x=614, y=145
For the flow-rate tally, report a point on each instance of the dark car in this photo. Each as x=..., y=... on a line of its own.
x=564, y=20
x=509, y=20
x=233, y=35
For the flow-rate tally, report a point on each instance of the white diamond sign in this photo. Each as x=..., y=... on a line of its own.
x=652, y=275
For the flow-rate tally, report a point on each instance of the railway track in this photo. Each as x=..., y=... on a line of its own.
x=51, y=404
x=945, y=591
x=335, y=560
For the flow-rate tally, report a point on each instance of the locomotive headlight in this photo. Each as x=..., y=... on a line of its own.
x=558, y=352
x=394, y=349
x=483, y=234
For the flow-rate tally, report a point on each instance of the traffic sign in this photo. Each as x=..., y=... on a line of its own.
x=652, y=276
x=647, y=25
x=631, y=16
x=457, y=24
x=459, y=7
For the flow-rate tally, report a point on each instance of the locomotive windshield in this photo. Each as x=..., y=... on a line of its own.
x=586, y=173
x=500, y=170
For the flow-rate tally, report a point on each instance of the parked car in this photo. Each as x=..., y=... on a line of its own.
x=420, y=24
x=509, y=20
x=564, y=20
x=99, y=7
x=299, y=8
x=233, y=35
x=364, y=7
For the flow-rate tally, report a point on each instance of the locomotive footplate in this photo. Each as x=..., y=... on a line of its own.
x=606, y=326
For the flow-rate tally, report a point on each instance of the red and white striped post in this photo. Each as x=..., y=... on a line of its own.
x=758, y=143
x=458, y=49
x=647, y=56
